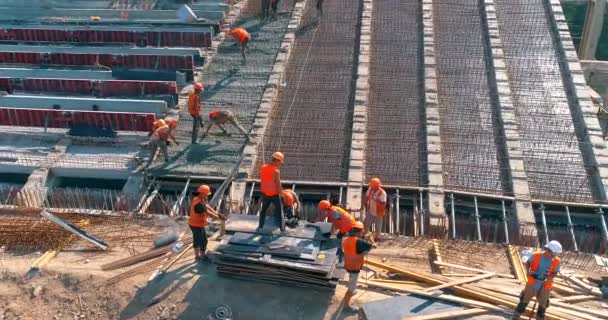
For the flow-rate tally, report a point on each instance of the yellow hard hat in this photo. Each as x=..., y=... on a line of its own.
x=278, y=156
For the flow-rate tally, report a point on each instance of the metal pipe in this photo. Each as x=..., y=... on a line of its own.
x=504, y=221
x=421, y=214
x=604, y=228
x=571, y=228
x=544, y=220
x=340, y=195
x=390, y=218
x=453, y=216
x=477, y=223
x=415, y=218
x=397, y=211
x=250, y=197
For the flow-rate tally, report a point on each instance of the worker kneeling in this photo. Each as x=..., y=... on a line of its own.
x=197, y=220
x=355, y=248
x=543, y=266
x=341, y=221
x=219, y=117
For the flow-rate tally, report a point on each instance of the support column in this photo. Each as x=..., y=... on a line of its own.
x=436, y=206
x=356, y=174
x=594, y=21
x=515, y=157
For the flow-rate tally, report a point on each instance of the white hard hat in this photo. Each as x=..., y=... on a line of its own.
x=554, y=246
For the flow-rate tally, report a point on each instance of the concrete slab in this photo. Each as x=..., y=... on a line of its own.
x=83, y=104
x=55, y=73
x=109, y=27
x=113, y=50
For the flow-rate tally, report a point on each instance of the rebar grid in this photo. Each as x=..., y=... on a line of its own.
x=469, y=134
x=395, y=147
x=488, y=256
x=552, y=152
x=312, y=117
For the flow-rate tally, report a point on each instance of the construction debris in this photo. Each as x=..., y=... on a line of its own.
x=75, y=230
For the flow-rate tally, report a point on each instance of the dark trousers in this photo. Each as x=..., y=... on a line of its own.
x=199, y=238
x=265, y=8
x=278, y=214
x=340, y=252
x=197, y=121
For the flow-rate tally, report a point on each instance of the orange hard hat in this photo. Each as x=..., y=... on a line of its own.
x=198, y=86
x=358, y=225
x=204, y=190
x=375, y=182
x=324, y=205
x=278, y=156
x=172, y=122
x=159, y=123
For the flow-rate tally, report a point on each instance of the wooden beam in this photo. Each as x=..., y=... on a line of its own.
x=437, y=252
x=448, y=314
x=575, y=299
x=592, y=311
x=461, y=281
x=594, y=21
x=503, y=275
x=518, y=266
x=585, y=287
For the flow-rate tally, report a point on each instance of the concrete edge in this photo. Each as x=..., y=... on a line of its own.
x=356, y=167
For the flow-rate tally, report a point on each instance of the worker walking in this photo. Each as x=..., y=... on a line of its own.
x=270, y=186
x=543, y=266
x=341, y=220
x=160, y=140
x=375, y=207
x=194, y=108
x=355, y=248
x=197, y=220
x=242, y=37
x=219, y=117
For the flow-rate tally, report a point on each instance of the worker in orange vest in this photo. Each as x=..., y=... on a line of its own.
x=270, y=186
x=194, y=108
x=160, y=140
x=340, y=219
x=291, y=204
x=543, y=266
x=155, y=125
x=242, y=37
x=375, y=207
x=197, y=220
x=219, y=117
x=355, y=248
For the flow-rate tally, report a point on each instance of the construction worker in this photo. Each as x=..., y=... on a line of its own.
x=155, y=125
x=194, y=108
x=265, y=9
x=242, y=37
x=270, y=186
x=274, y=5
x=355, y=248
x=219, y=117
x=375, y=206
x=291, y=204
x=197, y=220
x=160, y=140
x=340, y=219
x=543, y=266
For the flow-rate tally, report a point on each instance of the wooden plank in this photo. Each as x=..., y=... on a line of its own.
x=461, y=281
x=437, y=252
x=415, y=283
x=73, y=229
x=503, y=275
x=592, y=311
x=585, y=287
x=448, y=314
x=518, y=266
x=577, y=298
x=129, y=261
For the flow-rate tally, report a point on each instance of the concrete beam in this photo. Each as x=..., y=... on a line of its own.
x=589, y=130
x=436, y=205
x=37, y=13
x=356, y=167
x=83, y=104
x=594, y=22
x=515, y=157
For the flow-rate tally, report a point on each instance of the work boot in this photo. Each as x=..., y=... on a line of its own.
x=515, y=316
x=540, y=313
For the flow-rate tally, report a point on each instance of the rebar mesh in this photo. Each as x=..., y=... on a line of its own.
x=312, y=118
x=552, y=153
x=395, y=147
x=469, y=134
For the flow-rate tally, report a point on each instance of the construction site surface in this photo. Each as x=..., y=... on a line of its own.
x=476, y=116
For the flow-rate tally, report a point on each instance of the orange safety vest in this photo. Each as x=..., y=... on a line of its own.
x=344, y=222
x=162, y=132
x=213, y=114
x=288, y=198
x=352, y=260
x=534, y=268
x=194, y=103
x=197, y=219
x=267, y=185
x=240, y=34
x=380, y=206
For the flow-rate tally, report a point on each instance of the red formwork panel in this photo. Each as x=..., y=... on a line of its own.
x=61, y=118
x=147, y=38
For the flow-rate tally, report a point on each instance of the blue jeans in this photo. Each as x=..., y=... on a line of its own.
x=277, y=213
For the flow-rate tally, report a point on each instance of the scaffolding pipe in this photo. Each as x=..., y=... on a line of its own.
x=504, y=221
x=604, y=227
x=477, y=223
x=571, y=228
x=340, y=195
x=250, y=198
x=544, y=220
x=397, y=211
x=178, y=204
x=415, y=217
x=453, y=216
x=421, y=215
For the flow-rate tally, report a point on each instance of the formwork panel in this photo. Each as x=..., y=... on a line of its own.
x=395, y=149
x=312, y=119
x=552, y=152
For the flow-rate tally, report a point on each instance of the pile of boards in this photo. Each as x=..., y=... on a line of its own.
x=303, y=256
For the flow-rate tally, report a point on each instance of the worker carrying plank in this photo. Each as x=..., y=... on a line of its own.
x=341, y=221
x=272, y=192
x=160, y=140
x=543, y=266
x=194, y=108
x=375, y=207
x=197, y=220
x=219, y=118
x=242, y=37
x=355, y=248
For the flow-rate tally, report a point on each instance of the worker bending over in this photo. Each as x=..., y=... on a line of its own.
x=291, y=208
x=355, y=248
x=194, y=108
x=341, y=220
x=197, y=220
x=160, y=140
x=219, y=117
x=375, y=207
x=155, y=125
x=242, y=37
x=270, y=186
x=543, y=266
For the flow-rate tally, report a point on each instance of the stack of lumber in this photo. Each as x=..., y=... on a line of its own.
x=478, y=291
x=302, y=256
